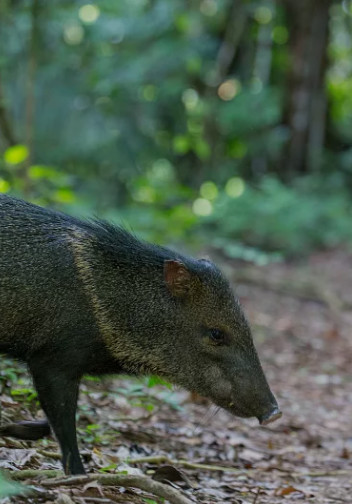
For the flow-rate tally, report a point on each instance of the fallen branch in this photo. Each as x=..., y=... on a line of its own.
x=142, y=482
x=32, y=473
x=50, y=454
x=162, y=459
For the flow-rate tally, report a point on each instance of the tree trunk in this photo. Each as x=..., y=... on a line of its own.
x=306, y=101
x=6, y=127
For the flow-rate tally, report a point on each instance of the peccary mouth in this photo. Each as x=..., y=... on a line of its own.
x=265, y=419
x=270, y=417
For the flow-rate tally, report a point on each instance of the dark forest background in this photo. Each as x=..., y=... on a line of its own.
x=210, y=122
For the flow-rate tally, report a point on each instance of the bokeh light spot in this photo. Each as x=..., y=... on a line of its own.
x=89, y=13
x=181, y=144
x=4, y=186
x=16, y=154
x=235, y=187
x=144, y=194
x=208, y=7
x=202, y=207
x=149, y=92
x=229, y=89
x=190, y=98
x=64, y=196
x=163, y=170
x=263, y=15
x=209, y=190
x=73, y=34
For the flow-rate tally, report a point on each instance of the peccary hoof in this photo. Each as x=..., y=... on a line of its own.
x=270, y=417
x=29, y=431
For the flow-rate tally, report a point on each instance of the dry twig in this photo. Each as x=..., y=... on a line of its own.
x=142, y=482
x=137, y=481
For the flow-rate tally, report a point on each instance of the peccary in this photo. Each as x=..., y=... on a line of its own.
x=86, y=297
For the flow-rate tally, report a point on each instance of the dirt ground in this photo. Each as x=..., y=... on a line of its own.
x=301, y=316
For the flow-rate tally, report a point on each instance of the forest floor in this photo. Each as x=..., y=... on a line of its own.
x=301, y=316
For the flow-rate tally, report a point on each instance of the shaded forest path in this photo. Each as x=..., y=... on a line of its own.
x=301, y=316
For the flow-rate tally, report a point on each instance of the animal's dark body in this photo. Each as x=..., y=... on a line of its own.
x=82, y=297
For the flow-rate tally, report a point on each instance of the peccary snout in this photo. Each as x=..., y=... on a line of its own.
x=270, y=417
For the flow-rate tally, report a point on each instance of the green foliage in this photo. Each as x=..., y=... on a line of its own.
x=137, y=394
x=134, y=112
x=9, y=488
x=159, y=207
x=339, y=77
x=93, y=434
x=109, y=468
x=24, y=394
x=45, y=184
x=16, y=154
x=313, y=213
x=153, y=380
x=133, y=84
x=9, y=374
x=15, y=381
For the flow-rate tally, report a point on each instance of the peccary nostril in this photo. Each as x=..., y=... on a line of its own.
x=270, y=417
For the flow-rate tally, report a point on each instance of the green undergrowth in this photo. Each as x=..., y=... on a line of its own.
x=257, y=222
x=271, y=221
x=147, y=393
x=10, y=488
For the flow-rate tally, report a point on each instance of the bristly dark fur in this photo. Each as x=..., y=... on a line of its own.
x=87, y=297
x=110, y=238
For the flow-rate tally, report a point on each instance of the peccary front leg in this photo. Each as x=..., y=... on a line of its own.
x=58, y=396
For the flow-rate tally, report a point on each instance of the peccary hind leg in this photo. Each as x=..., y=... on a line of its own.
x=58, y=395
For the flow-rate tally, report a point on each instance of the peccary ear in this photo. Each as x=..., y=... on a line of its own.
x=177, y=278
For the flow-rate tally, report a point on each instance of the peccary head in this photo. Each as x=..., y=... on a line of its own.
x=212, y=342
x=168, y=314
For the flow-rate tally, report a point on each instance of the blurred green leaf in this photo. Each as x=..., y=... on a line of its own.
x=9, y=488
x=16, y=154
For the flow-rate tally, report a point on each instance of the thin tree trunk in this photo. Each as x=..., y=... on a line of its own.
x=237, y=20
x=7, y=131
x=30, y=84
x=30, y=96
x=306, y=102
x=6, y=128
x=262, y=71
x=263, y=57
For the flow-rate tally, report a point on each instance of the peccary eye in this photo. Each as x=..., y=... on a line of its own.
x=217, y=336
